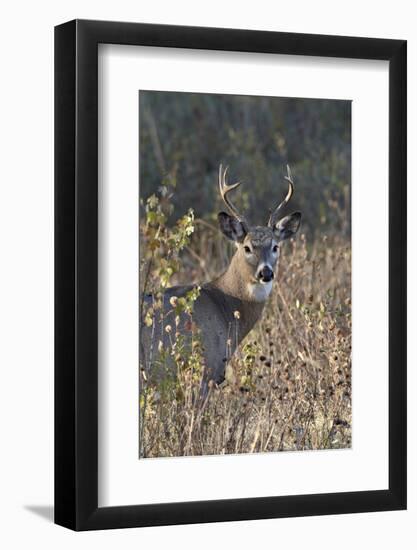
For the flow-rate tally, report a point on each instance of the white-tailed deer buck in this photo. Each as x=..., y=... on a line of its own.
x=228, y=307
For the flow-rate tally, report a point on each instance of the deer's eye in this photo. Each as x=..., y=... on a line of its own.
x=275, y=249
x=247, y=249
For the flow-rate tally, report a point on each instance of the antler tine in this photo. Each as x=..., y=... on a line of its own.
x=273, y=218
x=225, y=188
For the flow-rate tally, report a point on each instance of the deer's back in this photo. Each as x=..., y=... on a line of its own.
x=213, y=315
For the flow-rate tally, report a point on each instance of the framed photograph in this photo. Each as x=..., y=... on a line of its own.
x=230, y=252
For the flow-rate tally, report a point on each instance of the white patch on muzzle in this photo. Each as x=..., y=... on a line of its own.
x=259, y=292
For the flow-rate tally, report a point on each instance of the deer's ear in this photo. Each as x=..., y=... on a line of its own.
x=231, y=227
x=287, y=227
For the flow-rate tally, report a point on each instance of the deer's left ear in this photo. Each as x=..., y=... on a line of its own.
x=287, y=227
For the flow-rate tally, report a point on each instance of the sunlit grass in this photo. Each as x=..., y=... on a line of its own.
x=288, y=386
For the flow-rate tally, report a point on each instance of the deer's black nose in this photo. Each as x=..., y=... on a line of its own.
x=266, y=274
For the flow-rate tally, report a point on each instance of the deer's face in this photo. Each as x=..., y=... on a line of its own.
x=257, y=247
x=260, y=251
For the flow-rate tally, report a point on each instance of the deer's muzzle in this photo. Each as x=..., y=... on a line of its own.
x=265, y=275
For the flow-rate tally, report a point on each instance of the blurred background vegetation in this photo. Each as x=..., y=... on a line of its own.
x=185, y=136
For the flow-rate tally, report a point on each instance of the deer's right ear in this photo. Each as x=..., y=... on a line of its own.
x=231, y=227
x=287, y=227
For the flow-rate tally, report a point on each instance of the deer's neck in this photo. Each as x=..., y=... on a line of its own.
x=238, y=296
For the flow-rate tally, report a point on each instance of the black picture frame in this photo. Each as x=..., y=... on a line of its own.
x=76, y=272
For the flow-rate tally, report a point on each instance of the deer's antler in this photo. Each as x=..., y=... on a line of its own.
x=225, y=188
x=273, y=218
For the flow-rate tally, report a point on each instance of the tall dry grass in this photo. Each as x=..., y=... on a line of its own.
x=288, y=386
